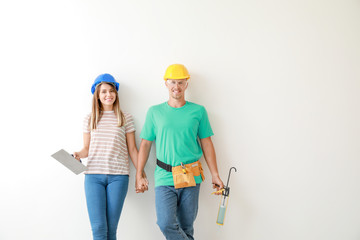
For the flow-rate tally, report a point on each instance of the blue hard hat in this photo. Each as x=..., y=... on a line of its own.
x=107, y=78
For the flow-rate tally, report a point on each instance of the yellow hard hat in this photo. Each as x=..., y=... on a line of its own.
x=176, y=71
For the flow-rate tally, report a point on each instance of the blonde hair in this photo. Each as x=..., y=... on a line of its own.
x=97, y=110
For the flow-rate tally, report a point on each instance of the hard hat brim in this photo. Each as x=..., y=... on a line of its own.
x=177, y=78
x=93, y=87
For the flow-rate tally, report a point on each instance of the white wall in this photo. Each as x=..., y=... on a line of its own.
x=280, y=80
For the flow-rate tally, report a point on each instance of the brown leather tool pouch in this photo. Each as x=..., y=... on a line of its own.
x=183, y=177
x=197, y=169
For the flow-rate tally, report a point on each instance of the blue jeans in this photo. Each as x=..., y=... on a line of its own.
x=105, y=195
x=176, y=210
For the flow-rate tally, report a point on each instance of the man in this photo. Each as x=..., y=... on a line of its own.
x=182, y=134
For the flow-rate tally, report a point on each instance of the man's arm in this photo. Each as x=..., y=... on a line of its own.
x=141, y=182
x=210, y=158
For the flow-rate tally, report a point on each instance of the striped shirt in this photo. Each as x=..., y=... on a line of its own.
x=108, y=153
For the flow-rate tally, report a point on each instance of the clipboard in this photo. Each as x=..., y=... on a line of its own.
x=69, y=161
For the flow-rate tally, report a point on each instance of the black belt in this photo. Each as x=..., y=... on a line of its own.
x=164, y=166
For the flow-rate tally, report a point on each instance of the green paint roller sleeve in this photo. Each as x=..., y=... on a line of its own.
x=221, y=215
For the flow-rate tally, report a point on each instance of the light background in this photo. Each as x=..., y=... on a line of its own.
x=280, y=80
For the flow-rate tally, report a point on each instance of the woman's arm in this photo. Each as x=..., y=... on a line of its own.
x=84, y=152
x=131, y=146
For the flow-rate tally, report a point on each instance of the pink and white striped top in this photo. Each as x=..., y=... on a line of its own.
x=108, y=153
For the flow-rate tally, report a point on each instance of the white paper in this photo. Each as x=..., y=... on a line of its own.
x=69, y=161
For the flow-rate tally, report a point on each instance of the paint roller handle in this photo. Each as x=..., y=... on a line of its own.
x=218, y=192
x=227, y=184
x=217, y=183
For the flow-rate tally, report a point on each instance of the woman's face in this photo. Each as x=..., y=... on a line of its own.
x=107, y=95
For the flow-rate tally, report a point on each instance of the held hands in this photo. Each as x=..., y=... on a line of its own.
x=141, y=183
x=217, y=184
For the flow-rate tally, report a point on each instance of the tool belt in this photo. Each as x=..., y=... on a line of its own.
x=183, y=174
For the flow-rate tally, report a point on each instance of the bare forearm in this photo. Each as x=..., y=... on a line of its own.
x=131, y=146
x=210, y=156
x=134, y=156
x=84, y=152
x=143, y=156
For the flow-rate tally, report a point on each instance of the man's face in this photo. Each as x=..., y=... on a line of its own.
x=176, y=87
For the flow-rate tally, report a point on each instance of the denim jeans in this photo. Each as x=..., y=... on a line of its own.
x=176, y=210
x=105, y=195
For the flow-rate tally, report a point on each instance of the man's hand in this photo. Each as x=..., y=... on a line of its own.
x=218, y=184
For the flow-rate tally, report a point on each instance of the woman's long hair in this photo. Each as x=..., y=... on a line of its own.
x=97, y=108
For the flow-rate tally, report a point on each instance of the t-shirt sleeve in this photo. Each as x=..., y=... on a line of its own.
x=148, y=130
x=204, y=126
x=129, y=123
x=86, y=124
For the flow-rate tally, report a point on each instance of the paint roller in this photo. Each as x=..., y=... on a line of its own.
x=224, y=200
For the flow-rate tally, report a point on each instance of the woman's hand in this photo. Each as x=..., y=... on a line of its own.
x=82, y=154
x=76, y=155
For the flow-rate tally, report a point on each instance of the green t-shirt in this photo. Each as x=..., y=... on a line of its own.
x=176, y=132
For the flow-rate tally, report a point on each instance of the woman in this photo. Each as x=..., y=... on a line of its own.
x=109, y=137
